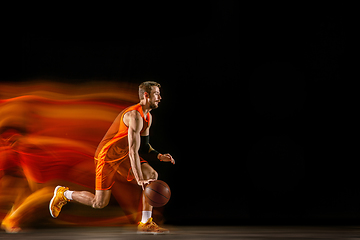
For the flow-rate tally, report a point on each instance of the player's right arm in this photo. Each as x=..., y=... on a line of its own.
x=135, y=124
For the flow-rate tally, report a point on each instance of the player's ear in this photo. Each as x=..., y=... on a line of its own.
x=146, y=95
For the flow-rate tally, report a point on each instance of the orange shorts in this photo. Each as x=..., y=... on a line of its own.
x=105, y=172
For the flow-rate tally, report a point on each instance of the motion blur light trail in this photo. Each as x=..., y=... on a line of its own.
x=48, y=136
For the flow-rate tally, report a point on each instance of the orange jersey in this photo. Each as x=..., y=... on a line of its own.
x=113, y=150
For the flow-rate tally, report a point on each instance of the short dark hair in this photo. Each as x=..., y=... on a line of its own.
x=146, y=87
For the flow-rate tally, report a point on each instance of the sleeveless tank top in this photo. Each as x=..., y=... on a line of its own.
x=114, y=146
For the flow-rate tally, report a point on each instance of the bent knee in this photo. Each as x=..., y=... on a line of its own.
x=151, y=175
x=154, y=175
x=99, y=205
x=148, y=172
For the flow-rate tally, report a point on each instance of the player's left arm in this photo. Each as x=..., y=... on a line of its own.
x=146, y=148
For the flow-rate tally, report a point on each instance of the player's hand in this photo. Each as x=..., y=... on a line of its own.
x=166, y=158
x=143, y=183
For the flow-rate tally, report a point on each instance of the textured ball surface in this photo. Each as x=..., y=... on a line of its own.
x=157, y=193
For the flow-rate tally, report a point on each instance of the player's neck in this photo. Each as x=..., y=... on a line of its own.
x=145, y=107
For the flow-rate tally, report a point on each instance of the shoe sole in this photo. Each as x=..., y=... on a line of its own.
x=55, y=191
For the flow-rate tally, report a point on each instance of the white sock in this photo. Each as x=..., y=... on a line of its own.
x=145, y=216
x=68, y=194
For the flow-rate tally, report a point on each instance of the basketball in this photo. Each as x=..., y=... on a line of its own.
x=157, y=193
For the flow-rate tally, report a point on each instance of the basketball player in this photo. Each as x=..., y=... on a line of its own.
x=118, y=152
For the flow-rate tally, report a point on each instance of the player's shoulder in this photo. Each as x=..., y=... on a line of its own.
x=133, y=114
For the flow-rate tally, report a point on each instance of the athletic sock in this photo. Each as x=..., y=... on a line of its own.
x=68, y=194
x=145, y=216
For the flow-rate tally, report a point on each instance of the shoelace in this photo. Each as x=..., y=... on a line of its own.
x=153, y=226
x=61, y=203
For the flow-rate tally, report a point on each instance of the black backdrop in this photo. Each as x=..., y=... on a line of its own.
x=252, y=107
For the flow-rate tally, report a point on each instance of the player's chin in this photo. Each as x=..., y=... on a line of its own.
x=155, y=105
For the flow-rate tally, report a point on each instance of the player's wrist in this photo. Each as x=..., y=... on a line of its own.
x=159, y=156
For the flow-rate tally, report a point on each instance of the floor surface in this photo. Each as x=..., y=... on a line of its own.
x=188, y=233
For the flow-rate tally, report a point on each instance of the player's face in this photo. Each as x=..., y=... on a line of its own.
x=154, y=97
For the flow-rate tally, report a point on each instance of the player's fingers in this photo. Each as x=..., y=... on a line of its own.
x=167, y=159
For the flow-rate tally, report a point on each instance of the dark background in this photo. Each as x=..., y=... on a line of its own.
x=256, y=103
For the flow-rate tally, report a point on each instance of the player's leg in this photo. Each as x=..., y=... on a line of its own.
x=148, y=173
x=98, y=200
x=62, y=195
x=147, y=226
x=103, y=182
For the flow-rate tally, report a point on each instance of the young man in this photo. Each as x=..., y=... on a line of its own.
x=118, y=152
